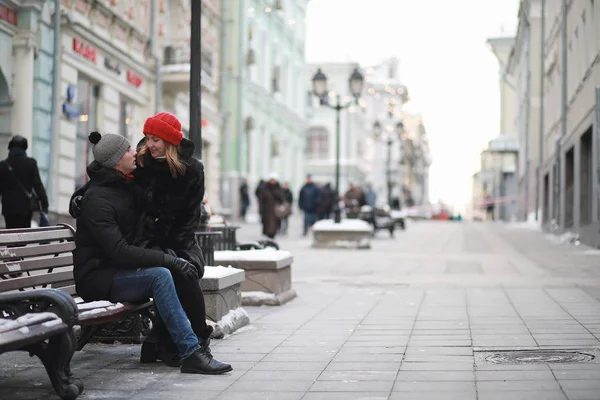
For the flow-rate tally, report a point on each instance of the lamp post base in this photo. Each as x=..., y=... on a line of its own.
x=337, y=214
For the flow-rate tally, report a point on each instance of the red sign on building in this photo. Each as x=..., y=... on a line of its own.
x=134, y=79
x=8, y=14
x=85, y=50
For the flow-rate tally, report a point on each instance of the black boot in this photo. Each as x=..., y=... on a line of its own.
x=156, y=348
x=202, y=362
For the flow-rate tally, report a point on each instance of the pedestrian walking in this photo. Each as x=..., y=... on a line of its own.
x=21, y=188
x=244, y=198
x=308, y=201
x=288, y=198
x=271, y=197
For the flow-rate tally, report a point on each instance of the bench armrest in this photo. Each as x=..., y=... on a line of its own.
x=40, y=300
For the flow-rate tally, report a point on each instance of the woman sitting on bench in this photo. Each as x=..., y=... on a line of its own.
x=172, y=189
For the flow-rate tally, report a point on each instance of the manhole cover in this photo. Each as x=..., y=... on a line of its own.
x=539, y=357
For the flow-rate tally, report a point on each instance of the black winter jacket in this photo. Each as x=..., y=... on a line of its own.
x=14, y=199
x=172, y=206
x=105, y=234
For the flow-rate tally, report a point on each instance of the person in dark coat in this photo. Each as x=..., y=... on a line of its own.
x=308, y=201
x=258, y=193
x=106, y=264
x=172, y=185
x=325, y=206
x=271, y=197
x=19, y=173
x=244, y=198
x=288, y=197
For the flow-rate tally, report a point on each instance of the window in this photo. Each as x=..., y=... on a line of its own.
x=125, y=119
x=87, y=101
x=318, y=143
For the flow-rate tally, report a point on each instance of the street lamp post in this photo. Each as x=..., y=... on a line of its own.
x=356, y=82
x=377, y=133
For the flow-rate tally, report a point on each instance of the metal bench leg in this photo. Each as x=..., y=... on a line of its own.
x=87, y=332
x=56, y=356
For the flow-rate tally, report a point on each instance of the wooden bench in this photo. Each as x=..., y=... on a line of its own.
x=33, y=258
x=40, y=322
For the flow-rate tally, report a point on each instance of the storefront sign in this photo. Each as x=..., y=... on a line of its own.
x=112, y=65
x=8, y=14
x=85, y=50
x=134, y=78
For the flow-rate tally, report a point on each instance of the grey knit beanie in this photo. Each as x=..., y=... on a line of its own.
x=109, y=148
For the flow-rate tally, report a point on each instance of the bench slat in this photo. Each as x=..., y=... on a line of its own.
x=16, y=339
x=35, y=280
x=10, y=237
x=112, y=315
x=36, y=250
x=63, y=260
x=70, y=289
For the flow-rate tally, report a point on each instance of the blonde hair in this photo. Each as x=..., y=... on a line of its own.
x=176, y=166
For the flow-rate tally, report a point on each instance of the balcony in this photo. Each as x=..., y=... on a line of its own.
x=176, y=67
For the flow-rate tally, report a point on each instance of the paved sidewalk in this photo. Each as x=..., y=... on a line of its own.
x=416, y=317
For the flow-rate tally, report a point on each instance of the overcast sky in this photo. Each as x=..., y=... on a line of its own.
x=452, y=76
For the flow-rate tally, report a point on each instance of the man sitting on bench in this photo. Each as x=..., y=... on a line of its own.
x=108, y=267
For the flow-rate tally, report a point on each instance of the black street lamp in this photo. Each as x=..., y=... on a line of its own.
x=356, y=83
x=377, y=133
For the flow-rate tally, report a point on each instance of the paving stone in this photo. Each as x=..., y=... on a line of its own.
x=346, y=396
x=352, y=386
x=531, y=375
x=517, y=385
x=358, y=376
x=526, y=395
x=446, y=376
x=361, y=366
x=434, y=386
x=582, y=394
x=433, y=395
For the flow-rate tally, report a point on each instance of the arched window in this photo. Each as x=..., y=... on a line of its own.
x=318, y=143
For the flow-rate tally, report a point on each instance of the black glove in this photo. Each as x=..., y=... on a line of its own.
x=181, y=266
x=75, y=207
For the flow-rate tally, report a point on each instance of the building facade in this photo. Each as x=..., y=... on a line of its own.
x=26, y=54
x=497, y=176
x=502, y=47
x=569, y=189
x=106, y=82
x=263, y=96
x=524, y=67
x=385, y=96
x=173, y=40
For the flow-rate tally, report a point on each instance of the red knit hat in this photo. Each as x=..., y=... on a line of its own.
x=165, y=126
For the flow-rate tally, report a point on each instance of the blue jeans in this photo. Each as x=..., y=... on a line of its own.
x=134, y=285
x=309, y=220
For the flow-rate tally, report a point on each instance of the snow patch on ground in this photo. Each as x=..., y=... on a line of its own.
x=567, y=237
x=231, y=322
x=259, y=296
x=356, y=225
x=528, y=225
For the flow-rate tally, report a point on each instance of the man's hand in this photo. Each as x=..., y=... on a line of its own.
x=181, y=266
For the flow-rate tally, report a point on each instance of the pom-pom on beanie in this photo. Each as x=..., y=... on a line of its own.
x=109, y=148
x=166, y=126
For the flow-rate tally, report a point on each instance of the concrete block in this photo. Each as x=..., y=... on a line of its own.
x=348, y=234
x=221, y=288
x=268, y=274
